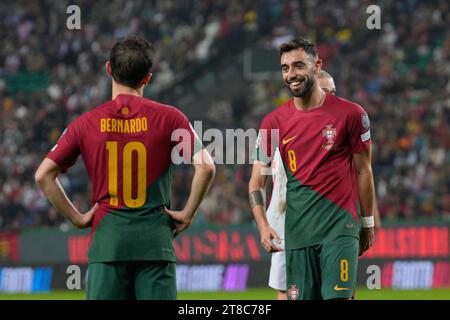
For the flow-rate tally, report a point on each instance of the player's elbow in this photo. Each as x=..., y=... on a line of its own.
x=208, y=170
x=39, y=177
x=211, y=170
x=257, y=181
x=47, y=171
x=254, y=184
x=204, y=164
x=42, y=175
x=251, y=185
x=365, y=170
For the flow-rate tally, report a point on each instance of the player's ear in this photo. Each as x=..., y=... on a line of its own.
x=108, y=68
x=318, y=66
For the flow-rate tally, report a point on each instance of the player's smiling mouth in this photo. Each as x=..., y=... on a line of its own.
x=296, y=84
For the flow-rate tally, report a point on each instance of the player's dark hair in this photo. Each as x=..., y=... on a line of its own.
x=299, y=43
x=131, y=59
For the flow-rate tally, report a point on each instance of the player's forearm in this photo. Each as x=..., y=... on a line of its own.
x=259, y=213
x=366, y=192
x=203, y=177
x=57, y=197
x=256, y=190
x=377, y=218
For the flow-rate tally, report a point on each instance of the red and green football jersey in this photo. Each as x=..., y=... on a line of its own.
x=317, y=148
x=126, y=146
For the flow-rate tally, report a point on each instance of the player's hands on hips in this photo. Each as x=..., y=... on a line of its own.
x=268, y=235
x=366, y=239
x=83, y=221
x=181, y=220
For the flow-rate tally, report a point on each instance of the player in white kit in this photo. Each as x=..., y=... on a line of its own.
x=275, y=216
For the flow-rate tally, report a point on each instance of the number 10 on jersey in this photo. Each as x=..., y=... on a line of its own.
x=127, y=162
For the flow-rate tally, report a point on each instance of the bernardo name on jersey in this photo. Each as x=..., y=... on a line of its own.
x=114, y=140
x=135, y=125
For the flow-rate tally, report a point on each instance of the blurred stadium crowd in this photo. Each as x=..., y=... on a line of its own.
x=400, y=74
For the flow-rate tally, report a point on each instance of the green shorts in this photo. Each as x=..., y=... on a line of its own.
x=324, y=271
x=131, y=280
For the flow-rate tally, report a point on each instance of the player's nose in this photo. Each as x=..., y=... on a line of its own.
x=291, y=74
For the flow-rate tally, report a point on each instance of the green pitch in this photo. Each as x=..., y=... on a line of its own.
x=253, y=294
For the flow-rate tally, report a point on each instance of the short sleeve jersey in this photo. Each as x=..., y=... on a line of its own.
x=127, y=145
x=317, y=147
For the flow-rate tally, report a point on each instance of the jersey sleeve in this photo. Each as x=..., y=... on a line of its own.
x=358, y=130
x=184, y=137
x=265, y=143
x=67, y=149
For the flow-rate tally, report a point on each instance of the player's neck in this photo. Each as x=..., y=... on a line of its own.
x=314, y=100
x=120, y=89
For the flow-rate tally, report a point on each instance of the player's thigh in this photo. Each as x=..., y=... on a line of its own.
x=277, y=277
x=339, y=262
x=303, y=274
x=110, y=281
x=155, y=280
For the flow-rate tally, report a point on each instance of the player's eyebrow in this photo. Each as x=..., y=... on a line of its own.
x=293, y=63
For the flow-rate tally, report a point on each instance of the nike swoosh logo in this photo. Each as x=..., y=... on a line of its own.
x=337, y=288
x=287, y=140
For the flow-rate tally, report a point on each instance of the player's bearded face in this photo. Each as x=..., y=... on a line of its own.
x=298, y=73
x=301, y=86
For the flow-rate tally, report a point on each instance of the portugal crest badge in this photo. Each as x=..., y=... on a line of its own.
x=329, y=136
x=293, y=292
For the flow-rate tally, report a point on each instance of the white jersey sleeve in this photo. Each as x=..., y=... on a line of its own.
x=277, y=208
